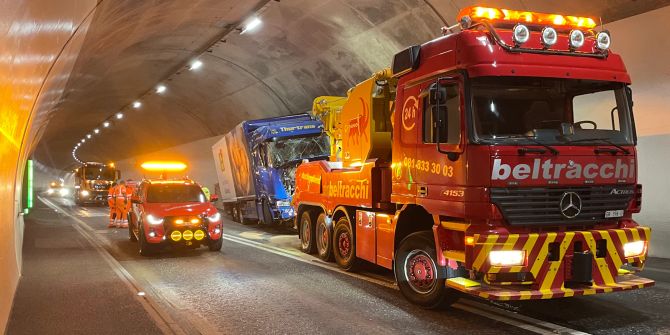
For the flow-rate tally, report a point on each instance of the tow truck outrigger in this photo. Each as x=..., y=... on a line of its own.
x=489, y=161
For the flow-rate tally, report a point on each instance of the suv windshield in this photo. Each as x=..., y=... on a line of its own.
x=99, y=173
x=289, y=150
x=174, y=193
x=550, y=110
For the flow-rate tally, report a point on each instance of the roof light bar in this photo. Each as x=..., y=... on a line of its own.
x=163, y=166
x=511, y=16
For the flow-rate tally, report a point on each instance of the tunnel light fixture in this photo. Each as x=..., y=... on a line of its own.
x=137, y=104
x=119, y=116
x=88, y=135
x=106, y=124
x=251, y=25
x=196, y=64
x=96, y=130
x=160, y=89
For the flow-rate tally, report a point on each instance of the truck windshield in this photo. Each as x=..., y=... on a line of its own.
x=290, y=150
x=550, y=110
x=99, y=173
x=174, y=193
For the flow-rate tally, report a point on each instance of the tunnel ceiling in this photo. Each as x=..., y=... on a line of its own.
x=303, y=49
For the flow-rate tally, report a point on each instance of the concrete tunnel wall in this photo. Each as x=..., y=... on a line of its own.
x=39, y=43
x=651, y=86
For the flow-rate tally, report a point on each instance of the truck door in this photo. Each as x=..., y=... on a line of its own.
x=404, y=143
x=439, y=164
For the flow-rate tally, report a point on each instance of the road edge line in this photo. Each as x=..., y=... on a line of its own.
x=161, y=318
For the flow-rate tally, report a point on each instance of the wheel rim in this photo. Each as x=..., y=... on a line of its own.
x=420, y=271
x=322, y=238
x=305, y=233
x=344, y=244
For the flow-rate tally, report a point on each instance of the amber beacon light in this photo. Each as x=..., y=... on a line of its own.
x=163, y=166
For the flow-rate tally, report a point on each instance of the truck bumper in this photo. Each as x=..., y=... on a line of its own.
x=555, y=264
x=474, y=288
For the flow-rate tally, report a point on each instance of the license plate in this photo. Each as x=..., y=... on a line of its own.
x=614, y=214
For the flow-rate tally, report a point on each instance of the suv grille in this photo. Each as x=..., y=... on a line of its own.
x=542, y=205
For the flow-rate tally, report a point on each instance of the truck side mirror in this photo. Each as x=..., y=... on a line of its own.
x=438, y=99
x=214, y=197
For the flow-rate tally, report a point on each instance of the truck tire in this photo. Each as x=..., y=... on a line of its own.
x=419, y=277
x=344, y=245
x=307, y=234
x=146, y=249
x=266, y=213
x=215, y=245
x=235, y=213
x=324, y=240
x=131, y=234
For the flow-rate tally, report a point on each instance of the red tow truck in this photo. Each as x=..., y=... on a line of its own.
x=498, y=160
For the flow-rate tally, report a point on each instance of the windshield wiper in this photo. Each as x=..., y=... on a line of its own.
x=607, y=141
x=529, y=138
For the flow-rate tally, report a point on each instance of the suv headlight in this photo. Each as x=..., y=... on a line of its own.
x=154, y=219
x=283, y=203
x=214, y=218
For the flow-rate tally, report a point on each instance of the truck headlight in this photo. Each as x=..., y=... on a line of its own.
x=632, y=249
x=85, y=193
x=507, y=257
x=63, y=192
x=50, y=191
x=154, y=220
x=215, y=218
x=283, y=203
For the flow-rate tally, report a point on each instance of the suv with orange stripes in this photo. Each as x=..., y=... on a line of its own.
x=168, y=213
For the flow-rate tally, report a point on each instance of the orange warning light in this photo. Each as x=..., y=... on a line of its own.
x=163, y=166
x=512, y=16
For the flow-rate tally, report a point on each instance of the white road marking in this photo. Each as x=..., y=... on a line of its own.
x=164, y=322
x=494, y=313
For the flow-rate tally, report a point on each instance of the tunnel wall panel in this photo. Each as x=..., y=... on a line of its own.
x=643, y=43
x=37, y=51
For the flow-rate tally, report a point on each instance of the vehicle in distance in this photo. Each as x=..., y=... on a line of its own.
x=56, y=188
x=92, y=181
x=173, y=213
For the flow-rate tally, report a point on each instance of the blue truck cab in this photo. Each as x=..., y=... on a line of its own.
x=256, y=164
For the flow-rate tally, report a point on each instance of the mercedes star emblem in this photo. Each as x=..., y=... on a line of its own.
x=571, y=204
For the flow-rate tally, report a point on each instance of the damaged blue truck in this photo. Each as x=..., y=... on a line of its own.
x=256, y=162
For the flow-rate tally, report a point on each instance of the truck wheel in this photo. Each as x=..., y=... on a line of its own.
x=131, y=234
x=267, y=212
x=215, y=245
x=324, y=240
x=419, y=277
x=307, y=243
x=344, y=245
x=235, y=213
x=146, y=249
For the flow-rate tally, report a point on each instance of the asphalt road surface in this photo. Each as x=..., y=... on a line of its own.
x=261, y=282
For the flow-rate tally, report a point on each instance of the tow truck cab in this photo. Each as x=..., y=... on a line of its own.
x=512, y=154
